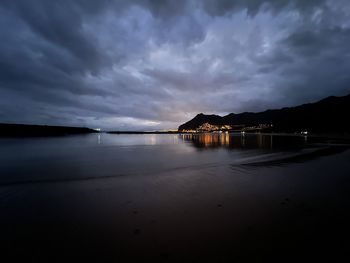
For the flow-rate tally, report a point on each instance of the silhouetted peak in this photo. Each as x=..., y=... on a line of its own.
x=322, y=116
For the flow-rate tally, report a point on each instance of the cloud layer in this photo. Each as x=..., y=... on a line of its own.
x=154, y=64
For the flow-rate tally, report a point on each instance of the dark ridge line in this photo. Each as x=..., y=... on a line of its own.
x=27, y=130
x=325, y=116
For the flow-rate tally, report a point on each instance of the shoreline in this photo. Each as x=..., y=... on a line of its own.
x=215, y=214
x=301, y=157
x=28, y=130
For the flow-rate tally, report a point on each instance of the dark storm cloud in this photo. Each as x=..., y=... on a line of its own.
x=60, y=24
x=153, y=64
x=223, y=7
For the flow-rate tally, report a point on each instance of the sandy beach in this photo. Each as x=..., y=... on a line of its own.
x=219, y=206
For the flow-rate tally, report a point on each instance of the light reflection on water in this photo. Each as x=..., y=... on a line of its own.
x=245, y=141
x=107, y=155
x=111, y=195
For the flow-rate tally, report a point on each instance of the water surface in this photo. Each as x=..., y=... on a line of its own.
x=95, y=156
x=174, y=198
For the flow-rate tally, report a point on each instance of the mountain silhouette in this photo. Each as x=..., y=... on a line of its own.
x=24, y=130
x=327, y=115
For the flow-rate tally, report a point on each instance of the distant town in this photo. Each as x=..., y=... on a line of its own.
x=324, y=116
x=207, y=127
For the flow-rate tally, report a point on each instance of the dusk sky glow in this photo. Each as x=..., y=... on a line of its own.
x=147, y=65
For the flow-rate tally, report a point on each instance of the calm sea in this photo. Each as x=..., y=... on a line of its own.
x=102, y=155
x=174, y=198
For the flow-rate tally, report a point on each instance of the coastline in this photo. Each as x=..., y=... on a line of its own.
x=195, y=214
x=28, y=130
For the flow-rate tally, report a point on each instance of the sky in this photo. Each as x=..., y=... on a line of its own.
x=153, y=64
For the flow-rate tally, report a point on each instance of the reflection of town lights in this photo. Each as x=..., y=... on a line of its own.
x=153, y=140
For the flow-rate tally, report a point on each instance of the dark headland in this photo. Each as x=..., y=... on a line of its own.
x=24, y=130
x=325, y=116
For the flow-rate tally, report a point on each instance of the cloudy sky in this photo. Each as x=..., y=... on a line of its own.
x=153, y=64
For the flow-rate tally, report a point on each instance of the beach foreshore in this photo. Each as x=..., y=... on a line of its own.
x=224, y=213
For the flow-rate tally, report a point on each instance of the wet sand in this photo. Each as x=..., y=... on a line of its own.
x=286, y=211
